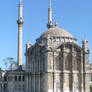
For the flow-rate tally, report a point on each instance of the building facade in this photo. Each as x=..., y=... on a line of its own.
x=55, y=63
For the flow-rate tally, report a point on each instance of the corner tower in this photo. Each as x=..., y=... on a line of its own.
x=20, y=23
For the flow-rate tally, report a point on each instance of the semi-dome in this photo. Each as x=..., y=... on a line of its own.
x=56, y=32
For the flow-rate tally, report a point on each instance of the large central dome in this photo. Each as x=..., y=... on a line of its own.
x=56, y=32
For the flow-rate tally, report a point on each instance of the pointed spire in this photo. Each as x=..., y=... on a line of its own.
x=20, y=13
x=49, y=25
x=20, y=9
x=49, y=3
x=20, y=2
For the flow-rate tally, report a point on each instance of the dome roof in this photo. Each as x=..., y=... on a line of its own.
x=58, y=32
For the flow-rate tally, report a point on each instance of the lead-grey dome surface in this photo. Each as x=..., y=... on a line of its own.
x=58, y=32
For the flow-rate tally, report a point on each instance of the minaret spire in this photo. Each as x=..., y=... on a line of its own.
x=49, y=3
x=20, y=23
x=49, y=25
x=20, y=9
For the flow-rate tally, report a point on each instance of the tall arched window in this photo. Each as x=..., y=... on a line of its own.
x=75, y=62
x=67, y=62
x=58, y=63
x=75, y=65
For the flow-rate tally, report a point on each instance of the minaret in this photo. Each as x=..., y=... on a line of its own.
x=20, y=24
x=49, y=25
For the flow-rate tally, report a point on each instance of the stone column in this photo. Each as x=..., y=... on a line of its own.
x=3, y=87
x=30, y=82
x=82, y=90
x=63, y=68
x=27, y=55
x=27, y=82
x=72, y=75
x=26, y=58
x=0, y=87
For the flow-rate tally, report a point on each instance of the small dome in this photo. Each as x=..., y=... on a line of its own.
x=58, y=32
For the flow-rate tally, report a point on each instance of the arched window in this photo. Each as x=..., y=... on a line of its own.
x=58, y=63
x=67, y=61
x=75, y=63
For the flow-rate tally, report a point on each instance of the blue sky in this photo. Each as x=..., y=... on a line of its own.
x=72, y=15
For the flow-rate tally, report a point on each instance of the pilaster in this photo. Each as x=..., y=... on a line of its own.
x=82, y=89
x=63, y=82
x=72, y=74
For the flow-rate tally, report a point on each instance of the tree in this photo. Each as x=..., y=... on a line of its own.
x=1, y=70
x=10, y=63
x=90, y=88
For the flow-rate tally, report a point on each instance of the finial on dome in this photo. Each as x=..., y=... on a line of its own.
x=56, y=24
x=28, y=45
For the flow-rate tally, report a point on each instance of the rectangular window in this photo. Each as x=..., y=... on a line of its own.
x=23, y=87
x=19, y=87
x=15, y=78
x=19, y=78
x=91, y=77
x=15, y=87
x=23, y=78
x=5, y=78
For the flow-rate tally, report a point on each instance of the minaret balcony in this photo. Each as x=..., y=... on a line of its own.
x=20, y=21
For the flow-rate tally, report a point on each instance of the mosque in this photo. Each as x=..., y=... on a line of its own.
x=55, y=63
